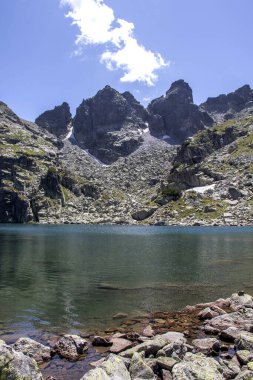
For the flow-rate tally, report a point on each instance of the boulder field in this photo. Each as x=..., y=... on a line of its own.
x=210, y=341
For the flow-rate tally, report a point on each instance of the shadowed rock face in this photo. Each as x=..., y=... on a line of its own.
x=224, y=107
x=56, y=121
x=110, y=124
x=176, y=115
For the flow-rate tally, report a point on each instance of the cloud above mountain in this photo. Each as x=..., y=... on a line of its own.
x=98, y=26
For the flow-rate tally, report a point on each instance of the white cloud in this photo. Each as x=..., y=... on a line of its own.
x=98, y=25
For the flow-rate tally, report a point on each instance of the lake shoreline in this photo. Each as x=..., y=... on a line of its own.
x=162, y=342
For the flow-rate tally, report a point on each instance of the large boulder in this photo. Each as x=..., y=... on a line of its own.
x=152, y=346
x=56, y=121
x=35, y=350
x=111, y=369
x=197, y=367
x=239, y=300
x=176, y=115
x=71, y=347
x=110, y=124
x=245, y=341
x=245, y=375
x=17, y=366
x=206, y=345
x=242, y=320
x=139, y=369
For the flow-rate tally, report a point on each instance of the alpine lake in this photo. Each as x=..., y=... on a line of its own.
x=58, y=279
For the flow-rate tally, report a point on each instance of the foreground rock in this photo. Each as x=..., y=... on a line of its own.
x=206, y=346
x=152, y=346
x=112, y=369
x=35, y=350
x=197, y=367
x=173, y=355
x=71, y=347
x=17, y=366
x=139, y=369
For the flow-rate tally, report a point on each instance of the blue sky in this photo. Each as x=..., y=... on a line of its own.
x=206, y=42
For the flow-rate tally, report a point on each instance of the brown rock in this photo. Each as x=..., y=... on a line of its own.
x=71, y=347
x=119, y=345
x=166, y=363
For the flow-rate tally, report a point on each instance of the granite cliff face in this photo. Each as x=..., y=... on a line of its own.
x=230, y=106
x=57, y=178
x=175, y=114
x=110, y=125
x=56, y=121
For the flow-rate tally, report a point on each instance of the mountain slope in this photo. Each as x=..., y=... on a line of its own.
x=54, y=173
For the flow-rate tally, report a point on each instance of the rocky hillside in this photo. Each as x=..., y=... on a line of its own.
x=113, y=162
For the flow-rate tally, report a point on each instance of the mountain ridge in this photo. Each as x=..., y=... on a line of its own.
x=122, y=172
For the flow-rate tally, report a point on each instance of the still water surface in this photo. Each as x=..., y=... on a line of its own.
x=78, y=277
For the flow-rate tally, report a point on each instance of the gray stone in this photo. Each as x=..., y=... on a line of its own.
x=143, y=213
x=35, y=350
x=230, y=334
x=197, y=367
x=207, y=345
x=245, y=375
x=238, y=301
x=139, y=369
x=17, y=366
x=245, y=341
x=242, y=320
x=111, y=369
x=150, y=346
x=244, y=356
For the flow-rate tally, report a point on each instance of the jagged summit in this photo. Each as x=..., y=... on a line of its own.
x=57, y=120
x=182, y=90
x=109, y=124
x=49, y=178
x=224, y=107
x=176, y=115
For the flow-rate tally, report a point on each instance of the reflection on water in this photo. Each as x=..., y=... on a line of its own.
x=78, y=277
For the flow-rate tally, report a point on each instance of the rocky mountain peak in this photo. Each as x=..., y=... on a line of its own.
x=57, y=120
x=181, y=91
x=175, y=115
x=109, y=124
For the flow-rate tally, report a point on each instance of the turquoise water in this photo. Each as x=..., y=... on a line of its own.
x=77, y=277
